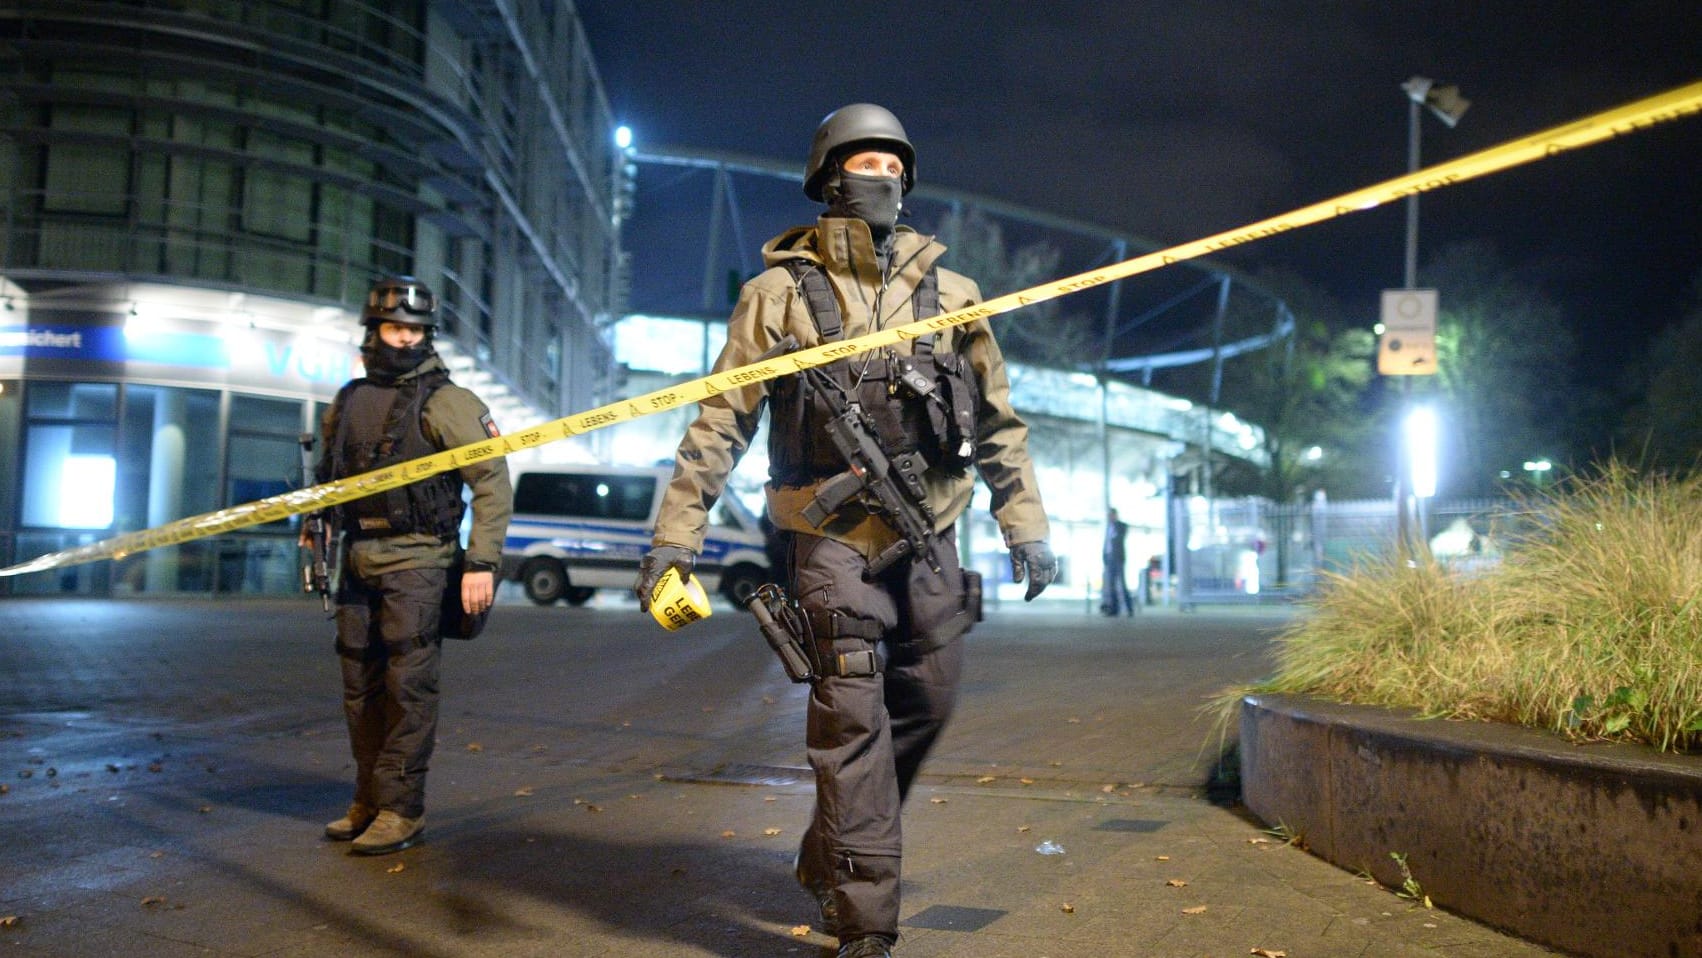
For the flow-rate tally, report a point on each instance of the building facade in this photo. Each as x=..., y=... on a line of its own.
x=194, y=197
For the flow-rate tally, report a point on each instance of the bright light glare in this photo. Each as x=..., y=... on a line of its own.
x=85, y=492
x=1314, y=453
x=1420, y=431
x=623, y=136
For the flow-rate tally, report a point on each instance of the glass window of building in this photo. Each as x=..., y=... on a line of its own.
x=70, y=463
x=265, y=452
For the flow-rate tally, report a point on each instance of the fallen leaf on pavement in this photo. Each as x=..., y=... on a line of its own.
x=475, y=747
x=1067, y=908
x=10, y=921
x=986, y=778
x=1268, y=953
x=523, y=792
x=771, y=832
x=936, y=800
x=1196, y=910
x=1162, y=858
x=1177, y=883
x=729, y=833
x=1258, y=841
x=393, y=869
x=1026, y=781
x=800, y=931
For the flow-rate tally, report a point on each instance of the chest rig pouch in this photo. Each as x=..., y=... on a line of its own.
x=380, y=426
x=921, y=404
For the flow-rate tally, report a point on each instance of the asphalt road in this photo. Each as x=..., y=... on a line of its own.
x=602, y=787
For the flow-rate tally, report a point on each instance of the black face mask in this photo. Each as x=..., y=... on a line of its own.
x=875, y=200
x=385, y=363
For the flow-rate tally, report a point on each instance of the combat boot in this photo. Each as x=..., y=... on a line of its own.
x=352, y=824
x=869, y=946
x=822, y=893
x=389, y=832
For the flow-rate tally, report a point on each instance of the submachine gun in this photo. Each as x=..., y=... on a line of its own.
x=889, y=486
x=316, y=575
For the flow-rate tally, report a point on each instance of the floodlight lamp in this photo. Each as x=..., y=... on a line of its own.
x=1444, y=102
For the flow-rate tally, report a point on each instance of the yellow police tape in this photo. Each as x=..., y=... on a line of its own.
x=1630, y=118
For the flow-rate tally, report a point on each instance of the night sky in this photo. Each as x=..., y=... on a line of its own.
x=1175, y=121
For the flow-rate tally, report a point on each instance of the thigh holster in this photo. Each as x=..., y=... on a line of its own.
x=843, y=645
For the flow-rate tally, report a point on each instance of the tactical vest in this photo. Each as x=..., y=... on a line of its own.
x=379, y=426
x=922, y=403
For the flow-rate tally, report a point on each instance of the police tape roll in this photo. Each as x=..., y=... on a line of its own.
x=1684, y=101
x=675, y=604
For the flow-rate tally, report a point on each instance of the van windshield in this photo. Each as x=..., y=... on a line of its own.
x=585, y=494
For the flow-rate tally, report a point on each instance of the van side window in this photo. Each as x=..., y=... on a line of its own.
x=585, y=495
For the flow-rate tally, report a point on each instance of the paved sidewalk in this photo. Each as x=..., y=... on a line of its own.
x=604, y=789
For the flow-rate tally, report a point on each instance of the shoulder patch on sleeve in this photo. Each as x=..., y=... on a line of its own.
x=490, y=426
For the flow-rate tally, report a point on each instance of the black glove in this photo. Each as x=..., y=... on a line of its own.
x=1035, y=561
x=658, y=561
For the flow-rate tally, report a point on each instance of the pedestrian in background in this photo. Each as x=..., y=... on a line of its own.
x=402, y=549
x=887, y=645
x=1115, y=599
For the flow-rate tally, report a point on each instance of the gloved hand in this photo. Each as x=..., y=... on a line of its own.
x=658, y=561
x=1035, y=561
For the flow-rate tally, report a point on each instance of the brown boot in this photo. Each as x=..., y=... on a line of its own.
x=352, y=824
x=389, y=832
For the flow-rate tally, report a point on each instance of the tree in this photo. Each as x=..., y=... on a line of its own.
x=1504, y=370
x=1662, y=430
x=1310, y=392
x=1042, y=334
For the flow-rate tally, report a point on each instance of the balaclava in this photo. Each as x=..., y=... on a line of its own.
x=876, y=200
x=386, y=363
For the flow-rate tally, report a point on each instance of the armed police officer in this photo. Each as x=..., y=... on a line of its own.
x=402, y=551
x=876, y=577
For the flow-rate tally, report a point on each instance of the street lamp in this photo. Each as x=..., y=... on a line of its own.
x=1448, y=106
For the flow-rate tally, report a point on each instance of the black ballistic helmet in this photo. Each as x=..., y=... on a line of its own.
x=861, y=125
x=400, y=299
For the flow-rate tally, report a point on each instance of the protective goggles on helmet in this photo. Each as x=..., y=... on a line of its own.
x=411, y=299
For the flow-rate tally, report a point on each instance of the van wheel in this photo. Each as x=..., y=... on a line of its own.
x=740, y=582
x=544, y=580
x=579, y=595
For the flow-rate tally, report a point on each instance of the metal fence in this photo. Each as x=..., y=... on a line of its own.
x=1237, y=551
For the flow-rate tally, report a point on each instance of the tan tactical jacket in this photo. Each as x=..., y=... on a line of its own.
x=453, y=416
x=770, y=308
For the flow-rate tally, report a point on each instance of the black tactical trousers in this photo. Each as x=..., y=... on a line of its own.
x=390, y=648
x=868, y=734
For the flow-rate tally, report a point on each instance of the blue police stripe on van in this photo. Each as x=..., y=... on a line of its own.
x=594, y=540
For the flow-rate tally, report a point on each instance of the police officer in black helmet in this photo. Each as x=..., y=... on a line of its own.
x=886, y=639
x=402, y=550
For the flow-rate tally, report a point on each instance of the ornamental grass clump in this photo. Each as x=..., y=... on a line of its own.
x=1590, y=626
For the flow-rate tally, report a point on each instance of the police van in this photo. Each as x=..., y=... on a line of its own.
x=577, y=529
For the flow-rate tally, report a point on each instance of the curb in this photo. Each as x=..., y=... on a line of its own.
x=1592, y=849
